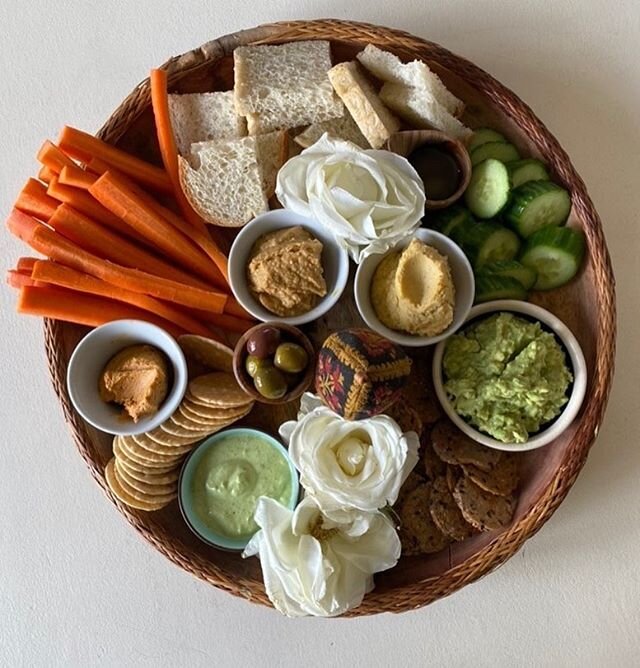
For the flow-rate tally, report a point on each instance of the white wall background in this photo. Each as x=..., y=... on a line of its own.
x=79, y=588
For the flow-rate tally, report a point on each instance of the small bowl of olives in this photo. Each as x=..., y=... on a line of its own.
x=274, y=362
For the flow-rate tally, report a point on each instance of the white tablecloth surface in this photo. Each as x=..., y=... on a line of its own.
x=78, y=585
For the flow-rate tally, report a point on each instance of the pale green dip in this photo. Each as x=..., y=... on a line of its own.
x=230, y=478
x=506, y=376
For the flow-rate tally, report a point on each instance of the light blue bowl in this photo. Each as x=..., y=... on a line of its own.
x=189, y=468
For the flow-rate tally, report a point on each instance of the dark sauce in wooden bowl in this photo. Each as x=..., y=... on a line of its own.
x=438, y=169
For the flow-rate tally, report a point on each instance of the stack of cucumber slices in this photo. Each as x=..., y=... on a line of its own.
x=512, y=227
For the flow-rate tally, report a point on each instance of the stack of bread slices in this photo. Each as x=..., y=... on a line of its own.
x=233, y=143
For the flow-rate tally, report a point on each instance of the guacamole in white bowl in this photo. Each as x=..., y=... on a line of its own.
x=513, y=377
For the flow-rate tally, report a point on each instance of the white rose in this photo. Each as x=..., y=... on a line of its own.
x=369, y=199
x=314, y=566
x=348, y=464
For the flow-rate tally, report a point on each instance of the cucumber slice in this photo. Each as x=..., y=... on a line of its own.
x=499, y=150
x=535, y=205
x=486, y=242
x=556, y=253
x=489, y=288
x=522, y=171
x=483, y=136
x=448, y=219
x=525, y=275
x=488, y=191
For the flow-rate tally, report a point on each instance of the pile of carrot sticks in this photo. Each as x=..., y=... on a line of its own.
x=110, y=248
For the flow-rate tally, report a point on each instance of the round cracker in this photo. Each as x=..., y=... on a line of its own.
x=154, y=489
x=502, y=480
x=175, y=429
x=197, y=423
x=454, y=447
x=150, y=476
x=142, y=496
x=165, y=438
x=216, y=412
x=153, y=447
x=132, y=463
x=207, y=353
x=217, y=389
x=417, y=523
x=445, y=512
x=121, y=494
x=141, y=455
x=483, y=510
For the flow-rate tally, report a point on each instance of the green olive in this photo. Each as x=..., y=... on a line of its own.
x=252, y=364
x=270, y=382
x=291, y=357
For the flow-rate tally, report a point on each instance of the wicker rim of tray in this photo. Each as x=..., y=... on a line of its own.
x=423, y=592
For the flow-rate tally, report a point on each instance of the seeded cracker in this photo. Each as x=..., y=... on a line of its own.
x=418, y=530
x=501, y=480
x=454, y=447
x=483, y=510
x=445, y=512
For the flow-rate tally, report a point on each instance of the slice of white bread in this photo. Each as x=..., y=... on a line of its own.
x=341, y=128
x=421, y=111
x=373, y=119
x=197, y=117
x=228, y=182
x=389, y=68
x=284, y=86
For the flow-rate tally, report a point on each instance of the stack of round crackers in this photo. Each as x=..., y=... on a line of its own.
x=144, y=470
x=462, y=488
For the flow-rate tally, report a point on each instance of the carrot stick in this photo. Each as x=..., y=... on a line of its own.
x=202, y=239
x=52, y=273
x=18, y=279
x=227, y=322
x=57, y=248
x=45, y=174
x=167, y=143
x=104, y=243
x=112, y=193
x=83, y=146
x=233, y=308
x=72, y=175
x=82, y=202
x=83, y=309
x=52, y=157
x=34, y=200
x=25, y=264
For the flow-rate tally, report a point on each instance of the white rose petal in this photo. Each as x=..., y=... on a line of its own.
x=346, y=464
x=312, y=565
x=369, y=199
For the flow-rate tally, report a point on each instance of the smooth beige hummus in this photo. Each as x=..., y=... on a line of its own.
x=285, y=271
x=412, y=290
x=137, y=379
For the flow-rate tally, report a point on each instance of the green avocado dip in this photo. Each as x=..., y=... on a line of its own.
x=230, y=478
x=506, y=376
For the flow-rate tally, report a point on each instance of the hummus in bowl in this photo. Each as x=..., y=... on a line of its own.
x=417, y=293
x=285, y=267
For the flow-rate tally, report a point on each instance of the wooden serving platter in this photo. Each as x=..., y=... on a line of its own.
x=586, y=305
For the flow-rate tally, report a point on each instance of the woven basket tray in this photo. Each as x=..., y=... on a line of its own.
x=587, y=305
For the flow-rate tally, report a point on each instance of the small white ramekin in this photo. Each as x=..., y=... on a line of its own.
x=576, y=362
x=335, y=262
x=91, y=356
x=463, y=280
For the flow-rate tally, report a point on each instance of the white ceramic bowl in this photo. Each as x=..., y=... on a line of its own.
x=576, y=363
x=92, y=354
x=461, y=272
x=335, y=262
